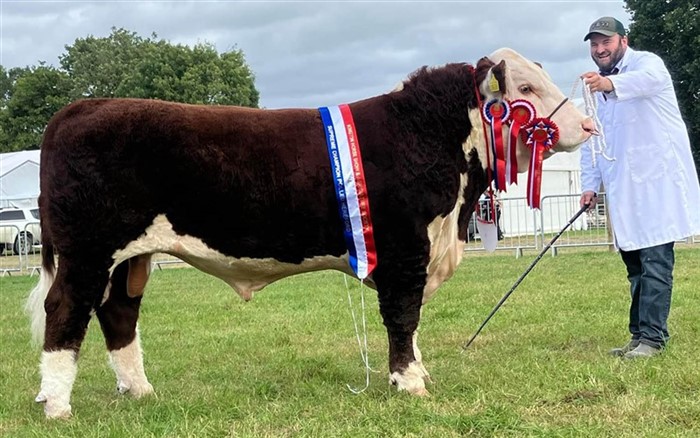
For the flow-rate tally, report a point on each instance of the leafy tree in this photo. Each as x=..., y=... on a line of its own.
x=32, y=96
x=122, y=64
x=126, y=65
x=671, y=29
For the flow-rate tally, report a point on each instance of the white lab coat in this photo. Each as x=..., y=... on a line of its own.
x=651, y=186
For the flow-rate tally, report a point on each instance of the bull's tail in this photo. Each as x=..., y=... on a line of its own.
x=35, y=303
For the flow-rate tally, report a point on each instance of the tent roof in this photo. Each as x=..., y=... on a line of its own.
x=12, y=160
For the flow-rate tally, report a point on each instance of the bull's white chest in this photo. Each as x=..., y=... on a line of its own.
x=446, y=250
x=245, y=275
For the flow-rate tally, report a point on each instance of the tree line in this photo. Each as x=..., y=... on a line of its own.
x=122, y=64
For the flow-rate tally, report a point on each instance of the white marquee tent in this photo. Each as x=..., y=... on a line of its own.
x=19, y=179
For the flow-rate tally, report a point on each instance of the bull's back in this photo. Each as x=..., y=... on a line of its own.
x=249, y=182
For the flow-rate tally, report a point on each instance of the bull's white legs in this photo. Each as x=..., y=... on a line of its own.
x=127, y=364
x=419, y=357
x=413, y=378
x=58, y=371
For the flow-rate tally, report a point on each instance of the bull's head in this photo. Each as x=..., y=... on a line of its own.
x=520, y=78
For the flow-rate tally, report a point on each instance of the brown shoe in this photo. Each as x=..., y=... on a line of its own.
x=642, y=351
x=621, y=351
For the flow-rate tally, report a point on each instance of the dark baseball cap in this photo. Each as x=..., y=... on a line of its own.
x=607, y=26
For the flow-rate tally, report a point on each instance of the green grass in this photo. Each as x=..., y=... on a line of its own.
x=278, y=366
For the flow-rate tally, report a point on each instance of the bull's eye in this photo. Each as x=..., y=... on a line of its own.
x=525, y=89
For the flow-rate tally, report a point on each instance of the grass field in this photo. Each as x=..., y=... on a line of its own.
x=278, y=366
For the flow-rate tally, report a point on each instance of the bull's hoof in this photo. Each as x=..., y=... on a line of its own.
x=421, y=393
x=137, y=390
x=411, y=380
x=53, y=409
x=56, y=410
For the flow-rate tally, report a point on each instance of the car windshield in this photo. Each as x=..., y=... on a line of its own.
x=35, y=213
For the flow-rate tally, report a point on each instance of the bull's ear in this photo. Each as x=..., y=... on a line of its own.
x=482, y=70
x=491, y=77
x=499, y=76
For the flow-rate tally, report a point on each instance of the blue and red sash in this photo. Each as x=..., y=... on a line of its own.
x=350, y=187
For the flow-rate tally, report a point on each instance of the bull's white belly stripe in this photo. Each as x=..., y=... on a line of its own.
x=245, y=275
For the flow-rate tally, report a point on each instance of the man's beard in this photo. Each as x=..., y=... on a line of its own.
x=611, y=61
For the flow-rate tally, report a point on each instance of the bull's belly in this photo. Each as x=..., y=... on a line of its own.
x=245, y=275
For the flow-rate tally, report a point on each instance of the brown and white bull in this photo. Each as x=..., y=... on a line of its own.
x=122, y=179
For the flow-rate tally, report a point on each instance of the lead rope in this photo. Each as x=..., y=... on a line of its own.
x=598, y=145
x=489, y=176
x=362, y=344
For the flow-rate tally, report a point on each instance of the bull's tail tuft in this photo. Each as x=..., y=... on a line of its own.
x=35, y=303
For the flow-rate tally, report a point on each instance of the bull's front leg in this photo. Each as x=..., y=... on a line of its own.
x=400, y=298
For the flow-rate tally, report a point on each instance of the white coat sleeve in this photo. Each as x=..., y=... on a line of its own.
x=648, y=78
x=590, y=176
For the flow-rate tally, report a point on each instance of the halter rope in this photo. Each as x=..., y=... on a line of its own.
x=598, y=145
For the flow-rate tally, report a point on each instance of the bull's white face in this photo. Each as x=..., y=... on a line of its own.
x=527, y=80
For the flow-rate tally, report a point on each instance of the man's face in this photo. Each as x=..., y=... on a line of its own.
x=607, y=51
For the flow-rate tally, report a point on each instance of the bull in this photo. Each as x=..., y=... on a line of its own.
x=122, y=179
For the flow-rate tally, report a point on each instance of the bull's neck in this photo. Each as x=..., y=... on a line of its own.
x=435, y=103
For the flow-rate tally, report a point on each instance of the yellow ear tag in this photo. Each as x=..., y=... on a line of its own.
x=493, y=84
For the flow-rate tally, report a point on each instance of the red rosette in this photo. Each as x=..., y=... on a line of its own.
x=522, y=112
x=496, y=109
x=541, y=130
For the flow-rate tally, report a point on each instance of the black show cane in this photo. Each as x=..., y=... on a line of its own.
x=522, y=277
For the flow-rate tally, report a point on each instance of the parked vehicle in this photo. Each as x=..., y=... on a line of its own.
x=19, y=229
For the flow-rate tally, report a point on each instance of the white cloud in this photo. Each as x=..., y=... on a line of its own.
x=307, y=54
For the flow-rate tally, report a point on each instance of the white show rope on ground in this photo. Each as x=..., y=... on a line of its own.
x=362, y=344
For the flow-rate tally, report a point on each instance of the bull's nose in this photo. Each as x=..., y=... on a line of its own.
x=589, y=126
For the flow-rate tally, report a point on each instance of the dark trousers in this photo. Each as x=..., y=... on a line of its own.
x=650, y=273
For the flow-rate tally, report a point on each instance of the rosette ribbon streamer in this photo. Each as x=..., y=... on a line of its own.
x=540, y=135
x=496, y=113
x=522, y=112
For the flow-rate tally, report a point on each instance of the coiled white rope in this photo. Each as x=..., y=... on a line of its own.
x=362, y=344
x=597, y=142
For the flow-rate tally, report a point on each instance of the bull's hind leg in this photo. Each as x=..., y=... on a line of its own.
x=400, y=298
x=118, y=318
x=77, y=290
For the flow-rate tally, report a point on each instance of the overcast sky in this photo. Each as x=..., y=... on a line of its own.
x=318, y=53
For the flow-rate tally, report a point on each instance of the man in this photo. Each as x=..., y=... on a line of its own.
x=651, y=182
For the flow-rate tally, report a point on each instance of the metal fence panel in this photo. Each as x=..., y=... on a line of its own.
x=8, y=262
x=517, y=223
x=590, y=229
x=32, y=256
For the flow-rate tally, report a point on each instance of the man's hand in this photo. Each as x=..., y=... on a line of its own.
x=597, y=82
x=589, y=197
